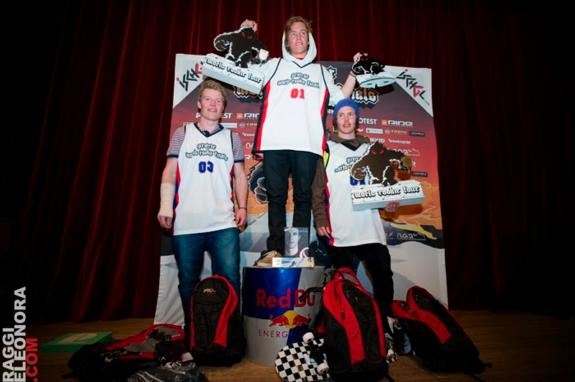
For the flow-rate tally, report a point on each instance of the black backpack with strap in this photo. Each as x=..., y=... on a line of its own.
x=216, y=331
x=435, y=335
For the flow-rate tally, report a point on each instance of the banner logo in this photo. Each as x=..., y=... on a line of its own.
x=191, y=75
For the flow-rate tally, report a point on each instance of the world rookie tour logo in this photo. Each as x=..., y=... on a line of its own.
x=19, y=353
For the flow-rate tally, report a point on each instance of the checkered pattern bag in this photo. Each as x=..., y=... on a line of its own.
x=294, y=363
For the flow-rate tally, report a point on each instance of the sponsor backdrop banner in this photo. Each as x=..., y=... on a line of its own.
x=399, y=115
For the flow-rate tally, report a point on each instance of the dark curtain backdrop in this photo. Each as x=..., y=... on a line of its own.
x=90, y=84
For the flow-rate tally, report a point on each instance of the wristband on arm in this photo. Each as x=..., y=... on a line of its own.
x=167, y=194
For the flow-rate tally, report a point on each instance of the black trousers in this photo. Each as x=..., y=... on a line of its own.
x=278, y=165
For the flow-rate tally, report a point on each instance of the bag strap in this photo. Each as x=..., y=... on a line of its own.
x=345, y=273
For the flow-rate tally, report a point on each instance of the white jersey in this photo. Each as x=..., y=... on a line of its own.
x=294, y=108
x=349, y=227
x=204, y=198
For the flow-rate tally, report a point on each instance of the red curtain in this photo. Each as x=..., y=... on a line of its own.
x=93, y=85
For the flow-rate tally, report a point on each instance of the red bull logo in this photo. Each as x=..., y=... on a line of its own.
x=290, y=319
x=263, y=300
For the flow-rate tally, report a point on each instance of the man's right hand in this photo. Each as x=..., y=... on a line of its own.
x=165, y=221
x=249, y=24
x=324, y=231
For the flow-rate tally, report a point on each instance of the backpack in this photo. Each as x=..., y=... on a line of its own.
x=435, y=335
x=119, y=359
x=354, y=340
x=216, y=331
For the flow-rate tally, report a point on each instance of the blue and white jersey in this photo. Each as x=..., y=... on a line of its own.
x=349, y=227
x=204, y=195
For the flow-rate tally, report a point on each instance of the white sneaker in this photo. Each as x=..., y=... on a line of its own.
x=265, y=260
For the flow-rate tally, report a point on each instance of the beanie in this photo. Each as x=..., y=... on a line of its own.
x=345, y=102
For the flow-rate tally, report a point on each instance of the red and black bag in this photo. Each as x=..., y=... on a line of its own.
x=435, y=335
x=117, y=360
x=354, y=340
x=216, y=331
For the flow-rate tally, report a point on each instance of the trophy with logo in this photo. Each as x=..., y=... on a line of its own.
x=384, y=176
x=241, y=47
x=370, y=73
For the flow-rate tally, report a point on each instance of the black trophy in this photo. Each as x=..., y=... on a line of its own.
x=371, y=73
x=241, y=48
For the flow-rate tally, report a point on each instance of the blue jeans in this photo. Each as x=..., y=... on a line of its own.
x=224, y=248
x=278, y=165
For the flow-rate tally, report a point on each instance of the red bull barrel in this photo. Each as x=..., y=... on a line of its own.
x=275, y=314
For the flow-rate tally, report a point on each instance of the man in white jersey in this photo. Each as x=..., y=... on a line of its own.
x=204, y=195
x=290, y=131
x=351, y=235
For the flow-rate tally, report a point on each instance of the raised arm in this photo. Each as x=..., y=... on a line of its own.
x=349, y=84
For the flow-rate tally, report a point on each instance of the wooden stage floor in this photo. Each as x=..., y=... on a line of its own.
x=520, y=347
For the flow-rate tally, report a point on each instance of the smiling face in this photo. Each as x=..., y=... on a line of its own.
x=211, y=104
x=297, y=39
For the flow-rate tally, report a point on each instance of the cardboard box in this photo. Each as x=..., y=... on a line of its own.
x=293, y=262
x=71, y=342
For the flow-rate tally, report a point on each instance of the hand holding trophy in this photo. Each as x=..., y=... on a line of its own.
x=241, y=48
x=370, y=72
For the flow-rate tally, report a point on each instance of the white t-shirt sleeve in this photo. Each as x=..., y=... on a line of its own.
x=176, y=142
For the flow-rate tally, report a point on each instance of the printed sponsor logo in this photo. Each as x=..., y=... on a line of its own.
x=371, y=130
x=365, y=96
x=190, y=75
x=333, y=71
x=291, y=298
x=368, y=121
x=410, y=82
x=412, y=236
x=411, y=152
x=289, y=319
x=421, y=174
x=211, y=291
x=396, y=123
x=251, y=115
x=229, y=125
x=279, y=325
x=417, y=133
x=394, y=131
x=244, y=94
x=399, y=141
